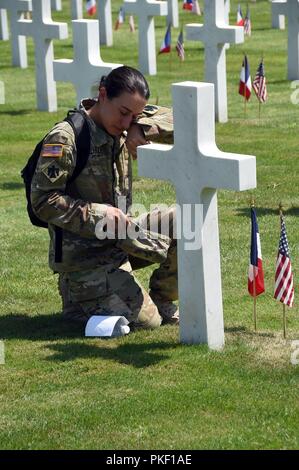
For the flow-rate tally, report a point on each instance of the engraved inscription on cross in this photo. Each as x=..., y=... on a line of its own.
x=290, y=8
x=43, y=30
x=215, y=33
x=87, y=67
x=145, y=10
x=197, y=168
x=18, y=42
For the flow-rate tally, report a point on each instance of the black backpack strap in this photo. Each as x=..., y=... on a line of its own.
x=77, y=120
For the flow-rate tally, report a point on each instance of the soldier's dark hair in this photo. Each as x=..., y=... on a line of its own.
x=125, y=79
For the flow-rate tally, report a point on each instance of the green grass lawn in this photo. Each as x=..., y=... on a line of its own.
x=60, y=390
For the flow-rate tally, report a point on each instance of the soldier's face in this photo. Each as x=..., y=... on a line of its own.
x=118, y=113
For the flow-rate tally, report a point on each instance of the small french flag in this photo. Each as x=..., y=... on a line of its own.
x=91, y=7
x=166, y=44
x=245, y=80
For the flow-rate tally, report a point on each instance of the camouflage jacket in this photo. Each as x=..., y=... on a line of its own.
x=77, y=209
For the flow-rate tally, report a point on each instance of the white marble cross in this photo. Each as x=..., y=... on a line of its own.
x=215, y=33
x=145, y=10
x=173, y=13
x=56, y=5
x=278, y=19
x=87, y=67
x=197, y=168
x=226, y=16
x=4, y=34
x=77, y=9
x=105, y=19
x=18, y=42
x=43, y=30
x=290, y=9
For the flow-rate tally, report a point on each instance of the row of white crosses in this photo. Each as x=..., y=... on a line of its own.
x=16, y=9
x=215, y=33
x=87, y=66
x=194, y=164
x=83, y=71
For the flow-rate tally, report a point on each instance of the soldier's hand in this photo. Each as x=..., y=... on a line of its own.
x=135, y=137
x=116, y=218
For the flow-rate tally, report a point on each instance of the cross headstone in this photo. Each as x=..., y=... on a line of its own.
x=173, y=13
x=197, y=168
x=4, y=34
x=56, y=5
x=77, y=9
x=215, y=33
x=18, y=42
x=43, y=30
x=290, y=9
x=278, y=19
x=105, y=19
x=87, y=67
x=145, y=10
x=226, y=16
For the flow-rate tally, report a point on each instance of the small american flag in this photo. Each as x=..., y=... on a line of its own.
x=247, y=23
x=180, y=46
x=259, y=83
x=284, y=288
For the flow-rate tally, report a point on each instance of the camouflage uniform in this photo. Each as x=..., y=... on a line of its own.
x=95, y=276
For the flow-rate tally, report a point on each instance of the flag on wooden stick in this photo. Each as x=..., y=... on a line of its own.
x=180, y=46
x=255, y=273
x=245, y=80
x=166, y=43
x=284, y=287
x=240, y=20
x=259, y=83
x=120, y=19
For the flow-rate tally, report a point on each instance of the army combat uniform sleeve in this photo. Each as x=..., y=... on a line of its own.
x=157, y=123
x=48, y=191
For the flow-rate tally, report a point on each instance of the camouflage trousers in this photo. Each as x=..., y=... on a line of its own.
x=113, y=290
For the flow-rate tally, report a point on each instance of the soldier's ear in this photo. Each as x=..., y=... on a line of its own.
x=102, y=93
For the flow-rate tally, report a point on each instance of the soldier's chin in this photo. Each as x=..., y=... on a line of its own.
x=115, y=131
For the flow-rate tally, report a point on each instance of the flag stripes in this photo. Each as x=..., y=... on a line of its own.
x=284, y=286
x=259, y=83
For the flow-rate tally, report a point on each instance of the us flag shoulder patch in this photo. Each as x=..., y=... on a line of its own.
x=52, y=150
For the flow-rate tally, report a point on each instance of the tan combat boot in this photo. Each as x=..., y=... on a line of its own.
x=167, y=309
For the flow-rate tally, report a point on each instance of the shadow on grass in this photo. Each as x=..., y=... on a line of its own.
x=260, y=211
x=19, y=112
x=136, y=355
x=11, y=186
x=243, y=331
x=38, y=328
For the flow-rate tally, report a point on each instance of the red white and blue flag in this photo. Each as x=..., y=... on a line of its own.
x=166, y=43
x=180, y=46
x=91, y=7
x=120, y=19
x=259, y=83
x=256, y=284
x=240, y=21
x=284, y=287
x=247, y=23
x=245, y=80
x=188, y=5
